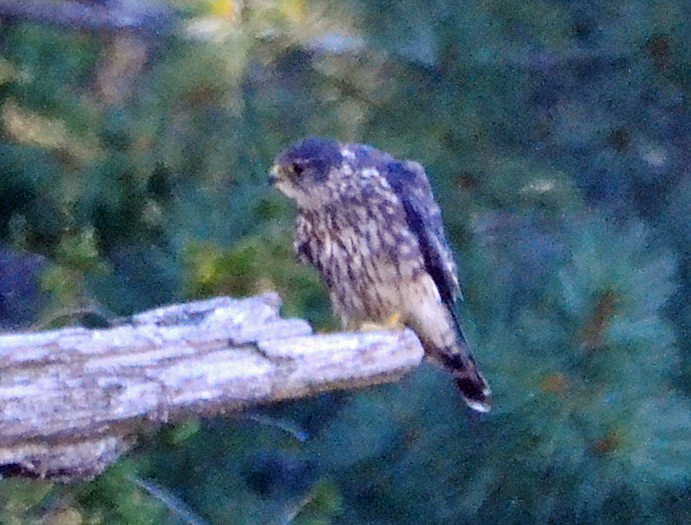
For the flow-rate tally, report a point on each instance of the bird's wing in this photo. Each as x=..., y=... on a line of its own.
x=409, y=182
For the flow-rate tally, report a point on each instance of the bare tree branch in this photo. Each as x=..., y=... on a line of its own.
x=71, y=399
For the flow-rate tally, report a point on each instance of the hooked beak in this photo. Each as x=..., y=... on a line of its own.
x=273, y=175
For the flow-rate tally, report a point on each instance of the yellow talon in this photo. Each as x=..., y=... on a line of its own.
x=369, y=326
x=393, y=322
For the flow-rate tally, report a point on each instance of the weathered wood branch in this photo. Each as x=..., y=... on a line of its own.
x=72, y=400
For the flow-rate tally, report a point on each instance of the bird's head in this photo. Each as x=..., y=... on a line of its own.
x=301, y=171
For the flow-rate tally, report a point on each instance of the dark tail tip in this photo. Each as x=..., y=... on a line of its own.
x=474, y=388
x=475, y=392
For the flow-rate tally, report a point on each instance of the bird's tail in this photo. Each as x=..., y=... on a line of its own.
x=473, y=386
x=460, y=362
x=439, y=331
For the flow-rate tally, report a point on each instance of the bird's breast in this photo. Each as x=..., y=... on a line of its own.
x=362, y=257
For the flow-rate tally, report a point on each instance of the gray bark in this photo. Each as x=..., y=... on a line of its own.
x=72, y=400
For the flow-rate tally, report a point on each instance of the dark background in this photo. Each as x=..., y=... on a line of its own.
x=135, y=141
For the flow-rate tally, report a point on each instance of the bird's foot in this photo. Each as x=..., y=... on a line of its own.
x=393, y=322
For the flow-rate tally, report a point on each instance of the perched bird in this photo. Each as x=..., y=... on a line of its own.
x=370, y=225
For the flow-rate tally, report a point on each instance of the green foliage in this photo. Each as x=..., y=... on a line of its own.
x=21, y=500
x=589, y=397
x=555, y=136
x=115, y=499
x=253, y=266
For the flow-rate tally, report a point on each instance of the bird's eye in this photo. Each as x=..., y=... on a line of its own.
x=298, y=168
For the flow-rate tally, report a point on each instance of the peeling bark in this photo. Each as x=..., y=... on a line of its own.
x=71, y=400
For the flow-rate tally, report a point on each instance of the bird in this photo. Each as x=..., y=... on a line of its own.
x=370, y=225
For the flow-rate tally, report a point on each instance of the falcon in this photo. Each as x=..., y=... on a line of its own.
x=370, y=225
